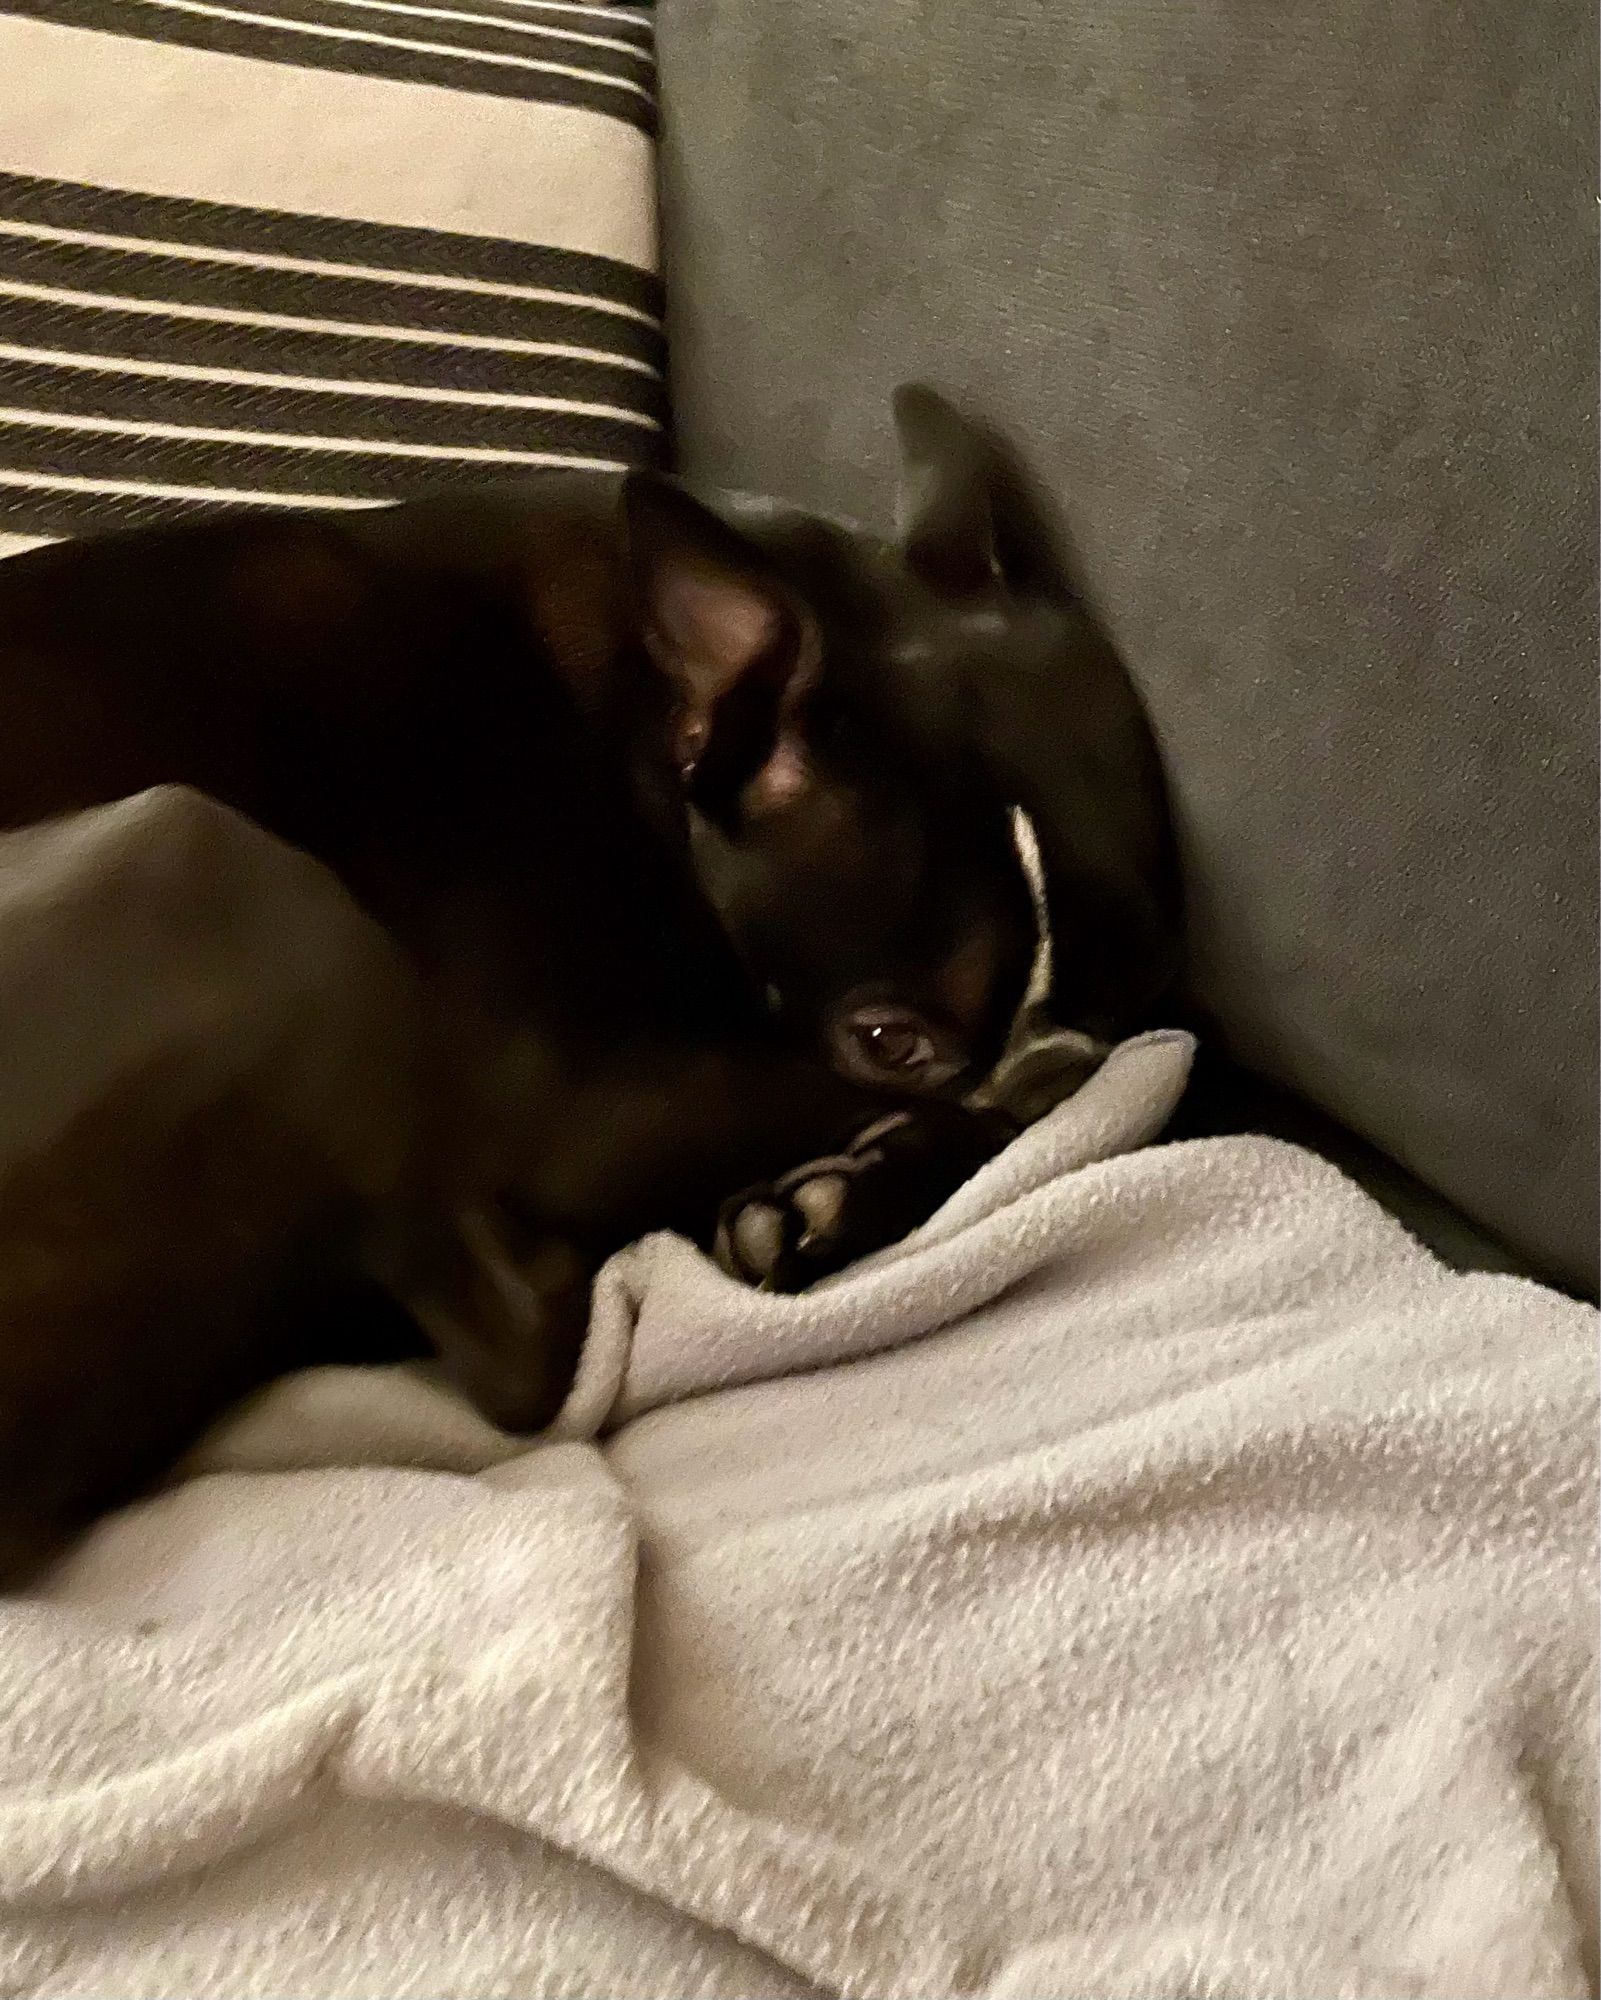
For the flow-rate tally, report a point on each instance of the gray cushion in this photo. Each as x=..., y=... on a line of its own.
x=1294, y=314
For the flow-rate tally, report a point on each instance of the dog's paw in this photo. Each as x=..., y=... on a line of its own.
x=783, y=1235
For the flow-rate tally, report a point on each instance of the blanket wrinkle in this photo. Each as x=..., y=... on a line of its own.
x=1159, y=1576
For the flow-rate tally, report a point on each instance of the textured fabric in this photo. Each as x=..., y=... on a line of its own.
x=318, y=252
x=1209, y=1608
x=1294, y=312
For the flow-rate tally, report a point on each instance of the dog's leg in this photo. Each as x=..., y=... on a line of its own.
x=209, y=1086
x=506, y=1317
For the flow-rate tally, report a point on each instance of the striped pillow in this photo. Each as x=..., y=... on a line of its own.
x=318, y=252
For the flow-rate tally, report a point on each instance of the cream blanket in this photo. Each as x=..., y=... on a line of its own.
x=1159, y=1579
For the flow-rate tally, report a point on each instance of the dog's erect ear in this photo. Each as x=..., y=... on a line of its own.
x=710, y=614
x=970, y=519
x=944, y=510
x=735, y=647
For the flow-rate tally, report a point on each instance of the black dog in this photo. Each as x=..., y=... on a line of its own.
x=695, y=824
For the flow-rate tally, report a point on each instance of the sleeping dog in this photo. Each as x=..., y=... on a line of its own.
x=694, y=825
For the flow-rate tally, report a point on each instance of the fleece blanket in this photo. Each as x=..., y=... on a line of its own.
x=1159, y=1578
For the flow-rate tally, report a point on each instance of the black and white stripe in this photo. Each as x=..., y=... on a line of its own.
x=161, y=353
x=543, y=51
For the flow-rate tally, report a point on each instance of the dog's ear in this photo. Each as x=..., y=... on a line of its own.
x=970, y=521
x=944, y=511
x=736, y=648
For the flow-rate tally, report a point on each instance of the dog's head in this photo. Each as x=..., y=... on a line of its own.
x=842, y=721
x=860, y=860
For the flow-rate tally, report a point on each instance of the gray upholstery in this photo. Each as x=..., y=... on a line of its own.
x=1293, y=309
